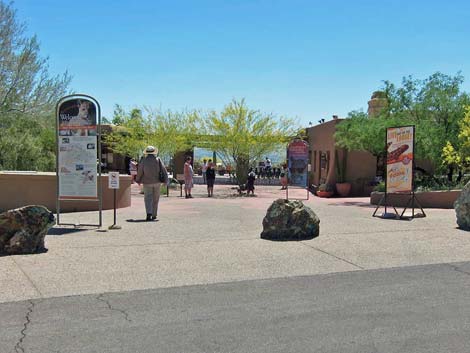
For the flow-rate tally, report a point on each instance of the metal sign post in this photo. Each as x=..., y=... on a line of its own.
x=113, y=183
x=78, y=156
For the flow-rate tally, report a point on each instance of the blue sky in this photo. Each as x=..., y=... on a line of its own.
x=304, y=59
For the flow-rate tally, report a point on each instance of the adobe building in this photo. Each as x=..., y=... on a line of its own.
x=362, y=167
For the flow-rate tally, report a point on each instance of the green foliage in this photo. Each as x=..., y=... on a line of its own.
x=27, y=99
x=436, y=106
x=242, y=135
x=359, y=132
x=380, y=187
x=168, y=131
x=459, y=156
x=341, y=166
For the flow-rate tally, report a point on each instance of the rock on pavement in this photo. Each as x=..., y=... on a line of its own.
x=462, y=208
x=22, y=230
x=290, y=220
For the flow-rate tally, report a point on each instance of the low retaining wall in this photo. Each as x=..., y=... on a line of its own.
x=427, y=199
x=20, y=189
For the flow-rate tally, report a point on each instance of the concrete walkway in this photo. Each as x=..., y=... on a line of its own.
x=212, y=240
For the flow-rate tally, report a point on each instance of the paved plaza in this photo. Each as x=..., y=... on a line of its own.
x=215, y=240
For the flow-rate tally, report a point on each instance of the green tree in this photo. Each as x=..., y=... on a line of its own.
x=27, y=98
x=434, y=105
x=458, y=157
x=242, y=135
x=169, y=131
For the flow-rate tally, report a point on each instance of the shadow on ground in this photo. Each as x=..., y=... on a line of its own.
x=353, y=203
x=58, y=231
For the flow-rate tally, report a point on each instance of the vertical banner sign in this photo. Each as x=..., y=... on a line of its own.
x=400, y=145
x=77, y=148
x=297, y=160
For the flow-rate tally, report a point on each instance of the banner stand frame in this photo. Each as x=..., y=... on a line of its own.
x=412, y=200
x=287, y=194
x=383, y=202
x=99, y=199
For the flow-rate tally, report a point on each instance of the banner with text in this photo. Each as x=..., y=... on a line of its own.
x=400, y=142
x=77, y=148
x=297, y=159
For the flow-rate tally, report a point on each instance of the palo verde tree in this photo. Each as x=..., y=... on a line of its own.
x=28, y=94
x=242, y=135
x=169, y=131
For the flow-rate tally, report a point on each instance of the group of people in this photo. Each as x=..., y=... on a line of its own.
x=151, y=172
x=208, y=176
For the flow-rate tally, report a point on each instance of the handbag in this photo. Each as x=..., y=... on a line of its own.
x=161, y=175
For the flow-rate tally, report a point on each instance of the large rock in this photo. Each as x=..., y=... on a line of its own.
x=462, y=208
x=22, y=231
x=290, y=220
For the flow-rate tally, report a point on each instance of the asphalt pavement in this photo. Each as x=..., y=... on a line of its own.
x=409, y=309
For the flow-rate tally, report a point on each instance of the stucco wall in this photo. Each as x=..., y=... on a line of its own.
x=361, y=166
x=21, y=189
x=430, y=199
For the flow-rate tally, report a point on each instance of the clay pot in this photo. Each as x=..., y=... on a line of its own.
x=343, y=189
x=325, y=193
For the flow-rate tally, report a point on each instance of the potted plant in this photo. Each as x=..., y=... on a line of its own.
x=342, y=187
x=325, y=190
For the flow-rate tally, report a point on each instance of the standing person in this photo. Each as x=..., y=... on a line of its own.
x=204, y=169
x=268, y=167
x=133, y=169
x=188, y=178
x=210, y=174
x=148, y=173
x=283, y=176
x=250, y=184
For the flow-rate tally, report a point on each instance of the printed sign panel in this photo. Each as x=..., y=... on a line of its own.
x=400, y=159
x=297, y=163
x=113, y=180
x=77, y=148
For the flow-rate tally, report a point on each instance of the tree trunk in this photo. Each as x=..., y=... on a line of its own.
x=450, y=173
x=242, y=167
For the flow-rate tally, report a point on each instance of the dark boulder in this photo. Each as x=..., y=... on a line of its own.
x=22, y=231
x=290, y=220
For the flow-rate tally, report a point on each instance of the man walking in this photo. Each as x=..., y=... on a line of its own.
x=151, y=172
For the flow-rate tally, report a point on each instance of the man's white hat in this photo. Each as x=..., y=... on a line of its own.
x=151, y=150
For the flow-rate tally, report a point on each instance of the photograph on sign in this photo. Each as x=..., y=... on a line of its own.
x=77, y=152
x=76, y=115
x=297, y=163
x=400, y=159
